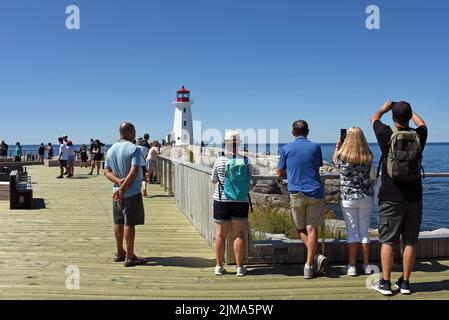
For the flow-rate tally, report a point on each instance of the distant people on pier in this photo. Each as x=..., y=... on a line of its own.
x=353, y=157
x=123, y=169
x=49, y=151
x=232, y=175
x=98, y=156
x=41, y=152
x=70, y=158
x=142, y=145
x=400, y=194
x=147, y=143
x=62, y=157
x=3, y=149
x=18, y=153
x=300, y=161
x=84, y=158
x=152, y=159
x=91, y=148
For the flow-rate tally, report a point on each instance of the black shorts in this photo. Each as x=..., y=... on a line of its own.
x=62, y=163
x=129, y=211
x=399, y=220
x=144, y=171
x=98, y=157
x=227, y=210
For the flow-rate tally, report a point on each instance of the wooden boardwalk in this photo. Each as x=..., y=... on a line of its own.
x=76, y=229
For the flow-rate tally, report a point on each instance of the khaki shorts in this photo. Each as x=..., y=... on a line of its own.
x=307, y=211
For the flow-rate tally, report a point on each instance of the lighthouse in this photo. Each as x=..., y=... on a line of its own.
x=182, y=133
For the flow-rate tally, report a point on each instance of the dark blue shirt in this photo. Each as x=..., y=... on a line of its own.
x=302, y=160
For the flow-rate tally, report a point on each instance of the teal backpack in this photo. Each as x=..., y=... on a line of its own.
x=237, y=182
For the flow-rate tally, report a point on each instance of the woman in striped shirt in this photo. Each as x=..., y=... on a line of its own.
x=229, y=213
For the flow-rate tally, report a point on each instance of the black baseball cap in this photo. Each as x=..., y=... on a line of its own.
x=402, y=111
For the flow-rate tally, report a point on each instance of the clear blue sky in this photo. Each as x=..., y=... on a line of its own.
x=249, y=64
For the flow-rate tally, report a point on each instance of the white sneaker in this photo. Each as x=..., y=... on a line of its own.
x=367, y=269
x=241, y=271
x=351, y=271
x=308, y=272
x=219, y=270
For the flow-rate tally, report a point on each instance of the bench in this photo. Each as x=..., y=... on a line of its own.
x=20, y=190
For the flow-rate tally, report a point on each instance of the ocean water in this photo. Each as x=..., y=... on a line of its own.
x=436, y=190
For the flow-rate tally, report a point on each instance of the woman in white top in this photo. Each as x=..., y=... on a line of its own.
x=144, y=150
x=229, y=213
x=152, y=160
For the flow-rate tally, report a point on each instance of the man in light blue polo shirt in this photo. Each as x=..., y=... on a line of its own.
x=123, y=168
x=301, y=160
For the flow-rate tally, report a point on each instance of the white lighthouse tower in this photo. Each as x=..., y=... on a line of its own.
x=182, y=133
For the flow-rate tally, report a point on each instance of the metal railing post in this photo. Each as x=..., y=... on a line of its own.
x=170, y=178
x=323, y=227
x=165, y=175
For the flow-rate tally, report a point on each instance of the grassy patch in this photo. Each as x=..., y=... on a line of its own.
x=269, y=219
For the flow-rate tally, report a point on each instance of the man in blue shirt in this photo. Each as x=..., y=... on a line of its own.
x=123, y=168
x=301, y=160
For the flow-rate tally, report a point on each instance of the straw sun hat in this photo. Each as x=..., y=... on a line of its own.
x=231, y=136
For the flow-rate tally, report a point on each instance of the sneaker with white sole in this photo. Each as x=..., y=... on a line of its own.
x=308, y=272
x=241, y=271
x=351, y=270
x=367, y=269
x=319, y=264
x=219, y=270
x=383, y=287
x=403, y=286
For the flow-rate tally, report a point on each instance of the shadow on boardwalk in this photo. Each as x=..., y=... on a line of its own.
x=182, y=262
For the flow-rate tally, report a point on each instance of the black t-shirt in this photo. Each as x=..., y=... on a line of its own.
x=391, y=190
x=41, y=150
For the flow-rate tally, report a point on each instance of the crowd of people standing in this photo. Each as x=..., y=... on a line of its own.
x=398, y=179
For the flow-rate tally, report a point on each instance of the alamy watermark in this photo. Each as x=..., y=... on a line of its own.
x=72, y=281
x=73, y=20
x=372, y=22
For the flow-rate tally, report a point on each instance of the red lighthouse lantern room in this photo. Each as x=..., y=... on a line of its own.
x=183, y=95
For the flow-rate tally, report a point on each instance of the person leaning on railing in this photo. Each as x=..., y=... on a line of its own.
x=353, y=157
x=400, y=194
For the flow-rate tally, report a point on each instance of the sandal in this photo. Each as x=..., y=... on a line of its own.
x=135, y=261
x=120, y=257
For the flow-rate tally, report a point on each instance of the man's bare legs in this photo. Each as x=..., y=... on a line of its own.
x=118, y=233
x=310, y=238
x=386, y=257
x=408, y=261
x=130, y=234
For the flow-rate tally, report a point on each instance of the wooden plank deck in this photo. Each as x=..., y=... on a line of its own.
x=76, y=229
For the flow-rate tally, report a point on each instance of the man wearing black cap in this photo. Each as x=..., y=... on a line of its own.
x=400, y=196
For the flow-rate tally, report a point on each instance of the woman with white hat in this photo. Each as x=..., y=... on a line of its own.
x=232, y=175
